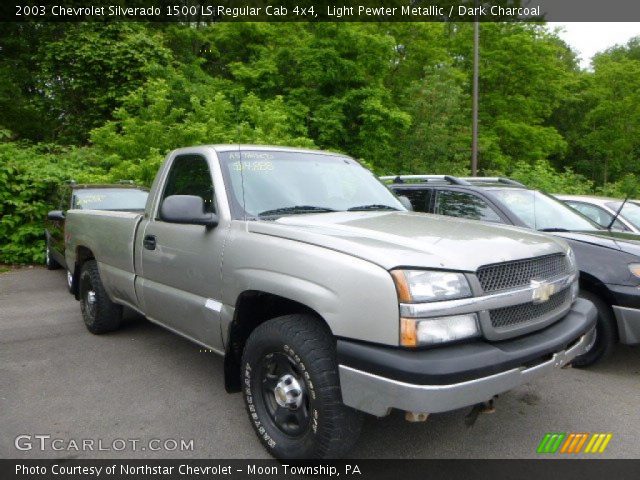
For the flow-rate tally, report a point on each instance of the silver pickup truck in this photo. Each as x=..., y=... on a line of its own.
x=325, y=295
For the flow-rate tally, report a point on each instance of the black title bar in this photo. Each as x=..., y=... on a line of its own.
x=319, y=10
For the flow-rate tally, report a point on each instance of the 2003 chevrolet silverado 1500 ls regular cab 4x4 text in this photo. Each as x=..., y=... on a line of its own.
x=326, y=297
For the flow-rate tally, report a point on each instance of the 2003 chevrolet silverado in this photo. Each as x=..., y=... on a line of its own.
x=324, y=295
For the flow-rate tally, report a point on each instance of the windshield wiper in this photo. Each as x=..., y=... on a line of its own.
x=554, y=229
x=373, y=206
x=295, y=210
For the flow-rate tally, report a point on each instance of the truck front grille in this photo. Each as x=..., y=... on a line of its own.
x=519, y=273
x=506, y=317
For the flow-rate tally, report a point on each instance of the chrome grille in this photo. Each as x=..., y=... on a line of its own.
x=519, y=273
x=528, y=312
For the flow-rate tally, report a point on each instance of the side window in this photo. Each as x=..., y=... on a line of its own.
x=190, y=175
x=419, y=199
x=465, y=205
x=597, y=214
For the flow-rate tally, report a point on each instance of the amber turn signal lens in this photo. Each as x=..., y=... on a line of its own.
x=402, y=287
x=408, y=332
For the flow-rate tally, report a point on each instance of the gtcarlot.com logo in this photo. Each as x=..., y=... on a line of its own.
x=46, y=442
x=574, y=443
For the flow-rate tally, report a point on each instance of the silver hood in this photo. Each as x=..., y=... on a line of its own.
x=411, y=239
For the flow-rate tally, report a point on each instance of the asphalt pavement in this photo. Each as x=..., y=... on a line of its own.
x=147, y=387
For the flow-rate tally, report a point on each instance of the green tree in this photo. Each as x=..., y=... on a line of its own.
x=86, y=70
x=611, y=127
x=525, y=72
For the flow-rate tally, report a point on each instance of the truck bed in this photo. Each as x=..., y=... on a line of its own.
x=110, y=237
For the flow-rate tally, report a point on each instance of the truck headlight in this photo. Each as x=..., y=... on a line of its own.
x=573, y=265
x=415, y=332
x=416, y=286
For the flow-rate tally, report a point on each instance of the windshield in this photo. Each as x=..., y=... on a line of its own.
x=630, y=212
x=109, y=199
x=541, y=212
x=274, y=183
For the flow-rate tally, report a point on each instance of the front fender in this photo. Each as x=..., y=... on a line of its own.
x=356, y=298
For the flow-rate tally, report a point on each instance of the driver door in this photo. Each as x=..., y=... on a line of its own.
x=182, y=283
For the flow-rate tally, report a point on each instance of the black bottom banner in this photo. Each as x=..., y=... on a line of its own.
x=578, y=469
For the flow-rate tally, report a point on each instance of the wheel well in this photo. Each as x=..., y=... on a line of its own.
x=598, y=289
x=83, y=254
x=252, y=309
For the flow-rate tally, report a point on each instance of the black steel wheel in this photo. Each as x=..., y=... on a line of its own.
x=291, y=389
x=285, y=393
x=99, y=313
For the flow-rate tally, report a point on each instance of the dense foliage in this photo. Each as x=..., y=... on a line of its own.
x=107, y=101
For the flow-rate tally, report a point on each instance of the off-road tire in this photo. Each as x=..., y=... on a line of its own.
x=308, y=347
x=100, y=314
x=606, y=333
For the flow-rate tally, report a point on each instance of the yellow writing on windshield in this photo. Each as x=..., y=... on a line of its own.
x=90, y=199
x=252, y=166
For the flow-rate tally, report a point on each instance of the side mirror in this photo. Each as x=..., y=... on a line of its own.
x=187, y=209
x=56, y=215
x=406, y=203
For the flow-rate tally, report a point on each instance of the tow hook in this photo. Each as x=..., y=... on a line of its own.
x=415, y=416
x=483, y=407
x=489, y=407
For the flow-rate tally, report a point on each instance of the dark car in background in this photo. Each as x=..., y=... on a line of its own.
x=122, y=196
x=609, y=262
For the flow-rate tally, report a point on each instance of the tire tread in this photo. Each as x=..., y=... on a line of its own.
x=312, y=339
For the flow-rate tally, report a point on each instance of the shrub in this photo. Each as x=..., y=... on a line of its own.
x=29, y=179
x=542, y=176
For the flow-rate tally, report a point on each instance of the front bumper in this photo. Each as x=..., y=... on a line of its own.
x=377, y=379
x=625, y=301
x=628, y=320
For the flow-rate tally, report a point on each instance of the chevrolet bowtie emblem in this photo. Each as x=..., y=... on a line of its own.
x=542, y=291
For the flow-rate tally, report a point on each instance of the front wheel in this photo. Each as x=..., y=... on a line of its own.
x=100, y=314
x=292, y=392
x=605, y=337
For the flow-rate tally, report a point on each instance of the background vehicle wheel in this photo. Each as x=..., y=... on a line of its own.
x=100, y=314
x=606, y=334
x=50, y=263
x=70, y=281
x=292, y=393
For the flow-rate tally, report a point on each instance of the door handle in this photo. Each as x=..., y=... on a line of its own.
x=149, y=242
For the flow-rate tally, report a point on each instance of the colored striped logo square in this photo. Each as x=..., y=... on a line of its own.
x=573, y=443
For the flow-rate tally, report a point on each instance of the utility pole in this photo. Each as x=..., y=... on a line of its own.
x=476, y=68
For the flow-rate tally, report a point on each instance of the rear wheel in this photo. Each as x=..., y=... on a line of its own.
x=605, y=337
x=292, y=393
x=50, y=263
x=100, y=314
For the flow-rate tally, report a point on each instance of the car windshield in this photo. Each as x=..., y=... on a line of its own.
x=541, y=212
x=630, y=212
x=268, y=184
x=109, y=199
